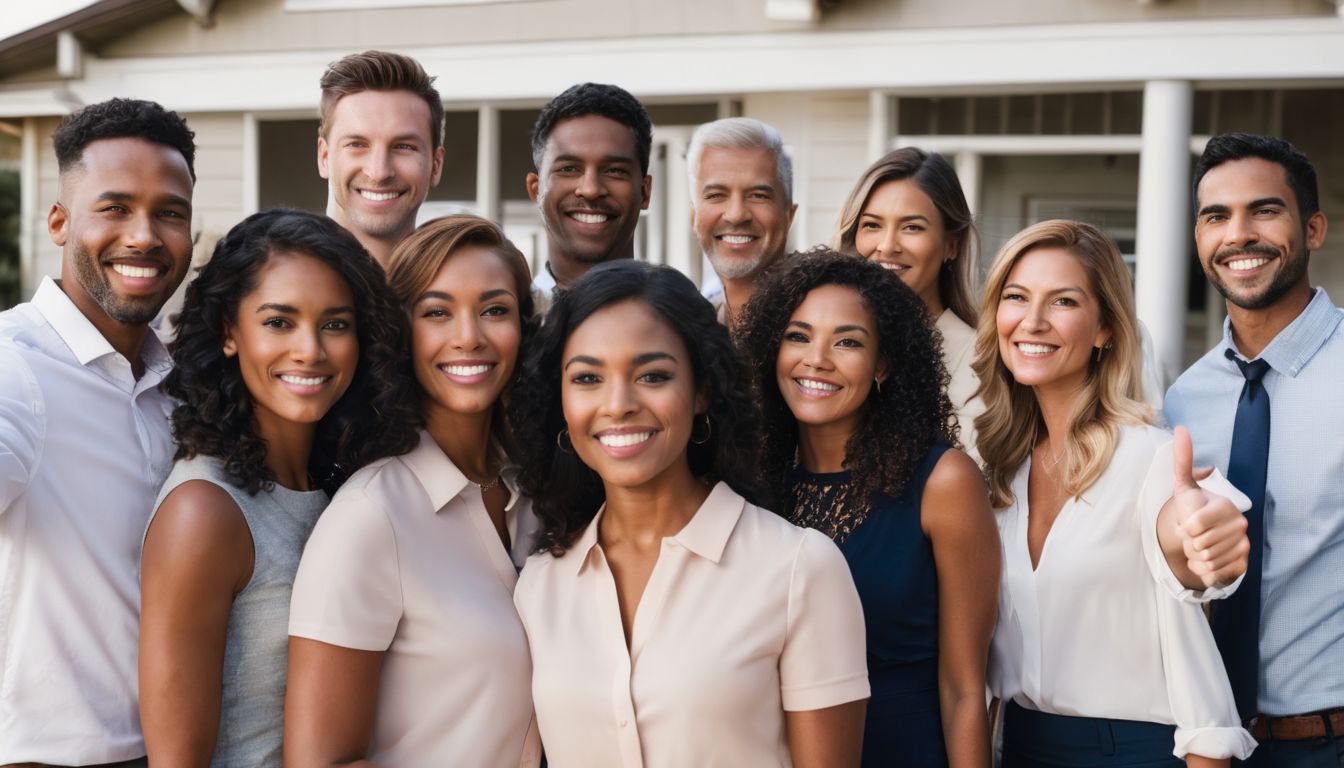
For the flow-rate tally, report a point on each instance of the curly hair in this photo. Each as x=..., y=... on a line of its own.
x=935, y=177
x=376, y=417
x=609, y=101
x=910, y=413
x=120, y=119
x=421, y=255
x=566, y=493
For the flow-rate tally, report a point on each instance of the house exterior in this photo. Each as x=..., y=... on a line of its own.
x=1090, y=109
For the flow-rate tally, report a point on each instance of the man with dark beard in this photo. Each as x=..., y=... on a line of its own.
x=590, y=147
x=1273, y=383
x=84, y=436
x=741, y=181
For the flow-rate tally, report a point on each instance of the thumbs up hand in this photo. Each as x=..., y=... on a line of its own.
x=1202, y=534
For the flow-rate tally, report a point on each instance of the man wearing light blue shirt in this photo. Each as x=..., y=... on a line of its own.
x=1258, y=220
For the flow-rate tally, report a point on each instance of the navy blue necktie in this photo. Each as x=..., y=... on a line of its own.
x=1236, y=620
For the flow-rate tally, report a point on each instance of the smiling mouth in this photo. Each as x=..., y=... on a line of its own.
x=1246, y=264
x=1035, y=350
x=130, y=270
x=737, y=239
x=304, y=381
x=466, y=370
x=624, y=440
x=589, y=218
x=379, y=197
x=814, y=387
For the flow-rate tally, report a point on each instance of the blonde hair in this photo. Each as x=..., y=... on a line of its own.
x=1111, y=394
x=935, y=177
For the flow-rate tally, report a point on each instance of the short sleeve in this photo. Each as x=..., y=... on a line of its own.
x=348, y=588
x=1156, y=490
x=824, y=660
x=21, y=426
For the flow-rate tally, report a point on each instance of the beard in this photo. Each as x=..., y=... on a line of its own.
x=127, y=310
x=1291, y=271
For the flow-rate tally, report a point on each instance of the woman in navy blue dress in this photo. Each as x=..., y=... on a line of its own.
x=859, y=445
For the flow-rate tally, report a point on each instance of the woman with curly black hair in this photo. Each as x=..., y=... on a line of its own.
x=290, y=366
x=858, y=430
x=417, y=659
x=677, y=623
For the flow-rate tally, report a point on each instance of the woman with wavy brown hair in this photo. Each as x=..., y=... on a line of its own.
x=858, y=438
x=1101, y=654
x=908, y=213
x=290, y=370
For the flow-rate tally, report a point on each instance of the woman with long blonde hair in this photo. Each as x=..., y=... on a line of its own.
x=1101, y=654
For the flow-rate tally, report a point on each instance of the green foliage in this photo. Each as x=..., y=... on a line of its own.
x=9, y=239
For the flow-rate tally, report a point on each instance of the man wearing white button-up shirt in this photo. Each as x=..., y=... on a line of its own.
x=84, y=436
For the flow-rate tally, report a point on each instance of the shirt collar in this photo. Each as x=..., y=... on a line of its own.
x=442, y=480
x=1295, y=345
x=545, y=279
x=706, y=534
x=83, y=339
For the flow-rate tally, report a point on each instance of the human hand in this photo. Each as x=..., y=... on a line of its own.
x=1208, y=533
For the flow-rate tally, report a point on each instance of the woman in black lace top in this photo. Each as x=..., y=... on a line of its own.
x=860, y=439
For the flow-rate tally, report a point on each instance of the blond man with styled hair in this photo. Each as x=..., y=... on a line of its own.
x=379, y=145
x=1100, y=631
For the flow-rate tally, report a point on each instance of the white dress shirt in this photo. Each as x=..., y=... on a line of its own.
x=1101, y=627
x=84, y=447
x=406, y=560
x=744, y=617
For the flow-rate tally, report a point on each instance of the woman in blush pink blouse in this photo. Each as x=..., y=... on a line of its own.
x=672, y=621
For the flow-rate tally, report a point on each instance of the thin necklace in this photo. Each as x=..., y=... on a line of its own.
x=487, y=486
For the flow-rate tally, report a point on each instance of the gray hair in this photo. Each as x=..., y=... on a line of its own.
x=740, y=133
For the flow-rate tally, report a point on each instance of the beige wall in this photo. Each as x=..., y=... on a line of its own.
x=263, y=25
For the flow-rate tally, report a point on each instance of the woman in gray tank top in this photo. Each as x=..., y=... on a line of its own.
x=290, y=369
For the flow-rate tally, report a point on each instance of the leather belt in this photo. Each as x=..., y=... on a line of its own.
x=1313, y=725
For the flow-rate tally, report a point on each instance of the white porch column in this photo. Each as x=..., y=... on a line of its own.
x=29, y=274
x=487, y=164
x=1163, y=241
x=879, y=125
x=251, y=164
x=969, y=165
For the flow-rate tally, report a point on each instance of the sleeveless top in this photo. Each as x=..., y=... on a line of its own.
x=892, y=563
x=252, y=700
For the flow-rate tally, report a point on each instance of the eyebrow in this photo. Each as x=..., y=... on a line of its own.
x=126, y=197
x=1217, y=208
x=910, y=217
x=493, y=293
x=644, y=359
x=570, y=158
x=850, y=328
x=286, y=309
x=753, y=188
x=1065, y=289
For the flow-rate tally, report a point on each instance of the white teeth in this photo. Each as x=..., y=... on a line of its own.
x=1036, y=349
x=736, y=239
x=464, y=370
x=378, y=196
x=130, y=271
x=820, y=386
x=303, y=381
x=624, y=440
x=588, y=218
x=1240, y=264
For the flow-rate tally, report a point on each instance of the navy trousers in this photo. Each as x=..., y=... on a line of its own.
x=1039, y=740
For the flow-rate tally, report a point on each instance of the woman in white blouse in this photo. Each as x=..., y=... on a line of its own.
x=405, y=649
x=676, y=624
x=1101, y=653
x=907, y=212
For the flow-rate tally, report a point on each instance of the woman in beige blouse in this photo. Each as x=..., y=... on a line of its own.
x=908, y=213
x=677, y=623
x=405, y=649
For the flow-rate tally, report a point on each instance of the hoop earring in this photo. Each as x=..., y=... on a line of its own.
x=709, y=432
x=560, y=443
